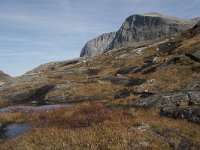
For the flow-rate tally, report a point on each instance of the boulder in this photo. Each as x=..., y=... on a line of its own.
x=125, y=81
x=163, y=100
x=121, y=94
x=194, y=56
x=149, y=59
x=29, y=94
x=143, y=94
x=191, y=114
x=125, y=70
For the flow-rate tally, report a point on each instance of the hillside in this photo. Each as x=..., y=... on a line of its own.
x=142, y=96
x=137, y=28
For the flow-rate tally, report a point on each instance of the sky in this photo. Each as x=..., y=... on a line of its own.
x=33, y=32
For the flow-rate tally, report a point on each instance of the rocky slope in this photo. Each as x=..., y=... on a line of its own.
x=3, y=76
x=137, y=28
x=97, y=45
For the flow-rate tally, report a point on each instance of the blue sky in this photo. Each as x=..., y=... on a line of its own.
x=33, y=32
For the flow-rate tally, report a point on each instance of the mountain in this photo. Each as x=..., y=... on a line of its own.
x=97, y=45
x=137, y=28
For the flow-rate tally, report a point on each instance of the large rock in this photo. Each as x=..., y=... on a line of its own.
x=97, y=45
x=29, y=94
x=188, y=96
x=125, y=81
x=163, y=100
x=191, y=114
x=194, y=56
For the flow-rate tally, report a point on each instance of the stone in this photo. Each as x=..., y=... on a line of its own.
x=143, y=94
x=89, y=71
x=121, y=94
x=117, y=64
x=29, y=94
x=125, y=81
x=140, y=68
x=125, y=70
x=149, y=69
x=163, y=100
x=194, y=56
x=191, y=114
x=167, y=47
x=149, y=59
x=171, y=61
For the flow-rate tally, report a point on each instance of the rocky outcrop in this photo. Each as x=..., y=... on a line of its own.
x=52, y=66
x=191, y=114
x=4, y=77
x=145, y=27
x=97, y=45
x=125, y=81
x=194, y=56
x=29, y=94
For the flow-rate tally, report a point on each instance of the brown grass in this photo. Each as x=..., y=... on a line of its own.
x=94, y=126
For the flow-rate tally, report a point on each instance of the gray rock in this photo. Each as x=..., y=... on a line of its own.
x=125, y=70
x=25, y=79
x=141, y=68
x=194, y=97
x=62, y=86
x=163, y=100
x=167, y=47
x=29, y=94
x=191, y=114
x=125, y=81
x=171, y=61
x=121, y=94
x=97, y=45
x=150, y=69
x=89, y=71
x=143, y=94
x=117, y=64
x=149, y=59
x=194, y=56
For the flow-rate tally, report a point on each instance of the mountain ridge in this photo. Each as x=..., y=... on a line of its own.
x=141, y=27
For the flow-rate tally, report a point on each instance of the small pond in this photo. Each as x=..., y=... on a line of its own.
x=13, y=130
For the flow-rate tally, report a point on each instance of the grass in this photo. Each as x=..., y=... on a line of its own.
x=94, y=126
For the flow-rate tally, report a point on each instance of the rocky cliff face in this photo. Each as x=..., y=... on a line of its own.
x=138, y=28
x=145, y=27
x=97, y=45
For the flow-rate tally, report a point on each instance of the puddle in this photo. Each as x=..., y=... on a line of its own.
x=32, y=108
x=13, y=130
